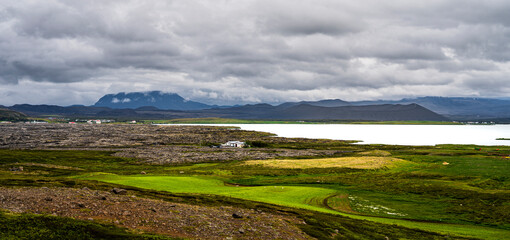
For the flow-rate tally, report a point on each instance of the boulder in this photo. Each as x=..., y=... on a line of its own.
x=119, y=191
x=16, y=169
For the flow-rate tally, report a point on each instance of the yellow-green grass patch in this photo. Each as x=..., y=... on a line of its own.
x=378, y=153
x=362, y=162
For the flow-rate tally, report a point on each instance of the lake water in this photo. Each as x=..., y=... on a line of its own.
x=389, y=134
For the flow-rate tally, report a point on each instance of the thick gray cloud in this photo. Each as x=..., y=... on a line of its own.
x=224, y=52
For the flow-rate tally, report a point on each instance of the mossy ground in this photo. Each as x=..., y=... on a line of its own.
x=467, y=197
x=31, y=226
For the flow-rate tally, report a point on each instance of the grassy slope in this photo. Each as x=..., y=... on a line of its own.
x=45, y=173
x=426, y=190
x=473, y=188
x=290, y=196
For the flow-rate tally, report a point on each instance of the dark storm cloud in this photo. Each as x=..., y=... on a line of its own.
x=249, y=51
x=301, y=18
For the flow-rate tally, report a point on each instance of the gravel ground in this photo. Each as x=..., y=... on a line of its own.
x=196, y=154
x=148, y=215
x=150, y=143
x=26, y=136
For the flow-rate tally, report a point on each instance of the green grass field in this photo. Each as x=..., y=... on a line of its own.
x=290, y=196
x=310, y=198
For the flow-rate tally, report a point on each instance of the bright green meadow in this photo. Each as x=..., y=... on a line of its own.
x=310, y=198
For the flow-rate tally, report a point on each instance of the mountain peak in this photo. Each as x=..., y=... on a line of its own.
x=158, y=99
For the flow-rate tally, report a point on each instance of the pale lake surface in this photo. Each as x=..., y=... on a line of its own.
x=389, y=134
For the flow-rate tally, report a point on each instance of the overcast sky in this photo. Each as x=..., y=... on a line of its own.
x=241, y=51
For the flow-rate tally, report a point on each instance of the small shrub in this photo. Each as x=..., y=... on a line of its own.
x=258, y=144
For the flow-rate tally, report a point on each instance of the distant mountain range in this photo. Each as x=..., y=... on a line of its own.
x=452, y=107
x=385, y=112
x=159, y=105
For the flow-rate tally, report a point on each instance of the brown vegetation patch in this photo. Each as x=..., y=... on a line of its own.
x=340, y=203
x=379, y=153
x=49, y=166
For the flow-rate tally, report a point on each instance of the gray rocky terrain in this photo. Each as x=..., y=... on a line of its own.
x=155, y=144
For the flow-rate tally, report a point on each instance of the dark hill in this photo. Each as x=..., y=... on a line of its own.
x=465, y=106
x=458, y=108
x=242, y=112
x=249, y=108
x=387, y=112
x=10, y=115
x=160, y=100
x=455, y=108
x=147, y=108
x=321, y=103
x=38, y=110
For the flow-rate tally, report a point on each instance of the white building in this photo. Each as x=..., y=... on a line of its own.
x=234, y=144
x=94, y=121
